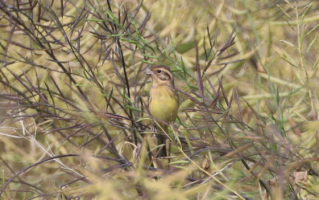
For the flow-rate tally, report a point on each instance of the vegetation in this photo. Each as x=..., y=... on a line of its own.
x=74, y=120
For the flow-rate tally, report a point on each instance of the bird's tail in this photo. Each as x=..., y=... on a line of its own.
x=161, y=140
x=161, y=151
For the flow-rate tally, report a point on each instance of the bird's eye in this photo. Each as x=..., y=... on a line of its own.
x=159, y=71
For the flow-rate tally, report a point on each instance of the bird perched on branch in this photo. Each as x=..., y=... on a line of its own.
x=163, y=103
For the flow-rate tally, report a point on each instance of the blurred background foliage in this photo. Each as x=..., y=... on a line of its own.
x=73, y=99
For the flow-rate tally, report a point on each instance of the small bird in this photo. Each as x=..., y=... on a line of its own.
x=163, y=102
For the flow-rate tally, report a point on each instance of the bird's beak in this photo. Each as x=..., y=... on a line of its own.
x=148, y=71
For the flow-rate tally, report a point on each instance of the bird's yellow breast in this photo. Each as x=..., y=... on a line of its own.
x=163, y=104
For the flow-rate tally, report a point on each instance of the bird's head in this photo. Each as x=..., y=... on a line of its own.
x=161, y=75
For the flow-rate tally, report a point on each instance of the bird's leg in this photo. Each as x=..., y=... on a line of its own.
x=153, y=129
